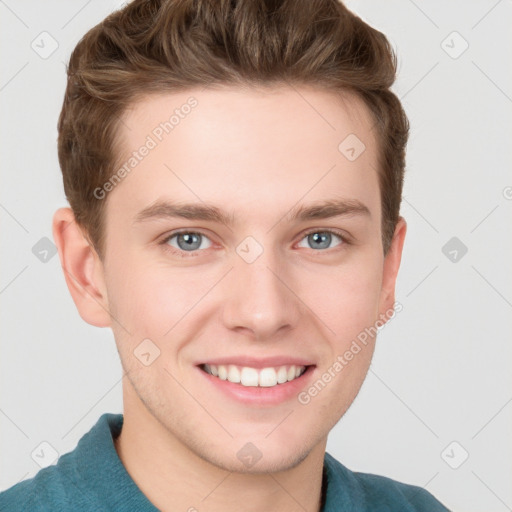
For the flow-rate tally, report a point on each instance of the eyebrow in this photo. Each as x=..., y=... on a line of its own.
x=207, y=212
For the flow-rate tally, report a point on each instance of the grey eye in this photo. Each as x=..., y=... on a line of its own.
x=320, y=239
x=188, y=241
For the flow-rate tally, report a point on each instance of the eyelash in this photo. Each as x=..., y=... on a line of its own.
x=189, y=254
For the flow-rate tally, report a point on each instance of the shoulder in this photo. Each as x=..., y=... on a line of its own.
x=71, y=484
x=48, y=488
x=377, y=493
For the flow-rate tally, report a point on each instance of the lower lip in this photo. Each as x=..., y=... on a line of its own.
x=262, y=396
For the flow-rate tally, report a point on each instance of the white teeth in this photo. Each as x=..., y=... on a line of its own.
x=249, y=376
x=265, y=377
x=282, y=375
x=268, y=377
x=222, y=371
x=233, y=374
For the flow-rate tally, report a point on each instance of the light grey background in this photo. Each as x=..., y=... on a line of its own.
x=442, y=368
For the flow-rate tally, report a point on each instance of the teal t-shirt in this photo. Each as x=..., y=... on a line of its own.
x=93, y=478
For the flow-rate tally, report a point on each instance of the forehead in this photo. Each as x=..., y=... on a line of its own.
x=249, y=110
x=255, y=148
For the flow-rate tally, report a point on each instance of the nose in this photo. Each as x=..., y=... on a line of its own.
x=259, y=299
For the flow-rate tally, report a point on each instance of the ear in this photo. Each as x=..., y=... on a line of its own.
x=391, y=266
x=83, y=269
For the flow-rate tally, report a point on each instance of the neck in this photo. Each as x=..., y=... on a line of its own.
x=173, y=477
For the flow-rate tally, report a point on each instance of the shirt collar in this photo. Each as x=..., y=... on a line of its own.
x=99, y=465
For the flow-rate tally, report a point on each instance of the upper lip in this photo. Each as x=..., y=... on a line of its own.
x=258, y=362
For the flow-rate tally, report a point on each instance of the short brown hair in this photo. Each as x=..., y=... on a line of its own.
x=153, y=46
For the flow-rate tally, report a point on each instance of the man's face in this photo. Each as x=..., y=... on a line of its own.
x=270, y=290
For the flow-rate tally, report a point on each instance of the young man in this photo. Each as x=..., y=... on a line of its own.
x=234, y=173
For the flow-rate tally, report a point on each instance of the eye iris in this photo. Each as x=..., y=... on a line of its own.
x=323, y=240
x=190, y=241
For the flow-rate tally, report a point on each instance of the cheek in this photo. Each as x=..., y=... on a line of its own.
x=346, y=298
x=150, y=299
x=140, y=299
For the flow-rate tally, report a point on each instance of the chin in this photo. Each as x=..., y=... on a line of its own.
x=262, y=462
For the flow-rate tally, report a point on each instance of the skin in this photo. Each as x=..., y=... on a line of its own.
x=256, y=154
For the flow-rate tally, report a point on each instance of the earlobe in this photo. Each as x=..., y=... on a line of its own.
x=83, y=269
x=391, y=266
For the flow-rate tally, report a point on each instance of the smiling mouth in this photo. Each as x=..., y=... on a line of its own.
x=255, y=377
